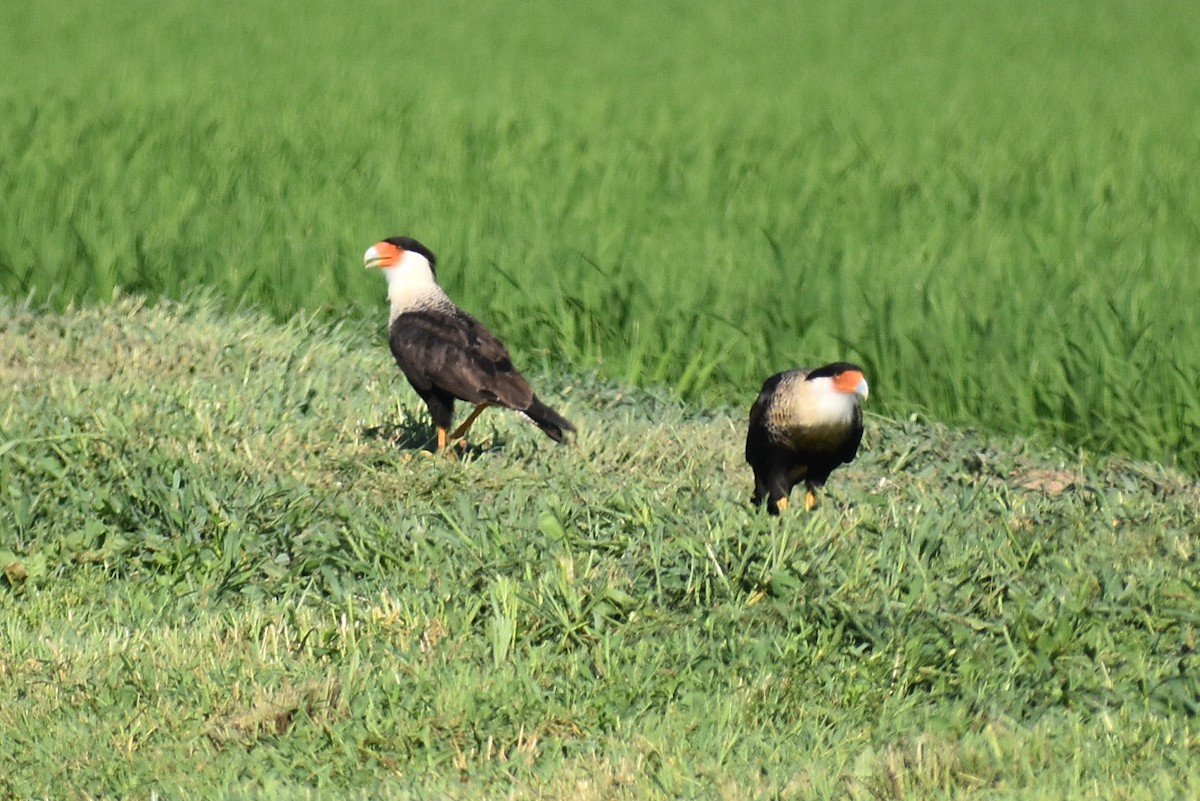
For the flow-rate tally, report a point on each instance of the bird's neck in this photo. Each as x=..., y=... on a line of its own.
x=826, y=405
x=411, y=287
x=815, y=404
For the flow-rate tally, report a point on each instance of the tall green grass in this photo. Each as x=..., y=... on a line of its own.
x=991, y=207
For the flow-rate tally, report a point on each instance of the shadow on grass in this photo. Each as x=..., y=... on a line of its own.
x=416, y=435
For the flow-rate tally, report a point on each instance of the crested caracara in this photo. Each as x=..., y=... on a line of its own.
x=445, y=353
x=803, y=425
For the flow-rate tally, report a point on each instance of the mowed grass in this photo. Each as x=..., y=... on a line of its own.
x=228, y=572
x=992, y=207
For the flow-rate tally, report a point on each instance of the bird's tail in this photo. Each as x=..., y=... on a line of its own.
x=550, y=421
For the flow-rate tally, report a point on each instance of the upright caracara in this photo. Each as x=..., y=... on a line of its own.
x=445, y=353
x=803, y=425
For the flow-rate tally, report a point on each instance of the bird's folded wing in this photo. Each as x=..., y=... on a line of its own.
x=452, y=351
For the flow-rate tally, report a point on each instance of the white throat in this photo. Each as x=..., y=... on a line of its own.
x=411, y=284
x=830, y=407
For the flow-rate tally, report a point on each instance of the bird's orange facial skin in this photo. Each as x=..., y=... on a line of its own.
x=848, y=381
x=386, y=254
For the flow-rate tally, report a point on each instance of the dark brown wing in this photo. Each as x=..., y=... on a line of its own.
x=756, y=430
x=451, y=352
x=758, y=435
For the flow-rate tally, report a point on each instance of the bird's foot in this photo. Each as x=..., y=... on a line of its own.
x=810, y=500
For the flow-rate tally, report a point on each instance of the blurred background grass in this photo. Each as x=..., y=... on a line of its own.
x=992, y=207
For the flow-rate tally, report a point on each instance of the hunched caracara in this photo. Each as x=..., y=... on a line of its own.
x=445, y=353
x=803, y=425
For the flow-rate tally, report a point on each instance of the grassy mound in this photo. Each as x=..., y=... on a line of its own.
x=229, y=572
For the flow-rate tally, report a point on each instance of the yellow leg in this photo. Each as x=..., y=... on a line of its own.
x=461, y=431
x=441, y=436
x=782, y=504
x=810, y=500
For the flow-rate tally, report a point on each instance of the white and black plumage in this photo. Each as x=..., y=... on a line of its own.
x=445, y=353
x=803, y=425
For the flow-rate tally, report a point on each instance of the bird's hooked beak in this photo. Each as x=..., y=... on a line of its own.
x=381, y=255
x=853, y=382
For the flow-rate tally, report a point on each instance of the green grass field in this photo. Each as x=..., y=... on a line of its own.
x=227, y=573
x=992, y=208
